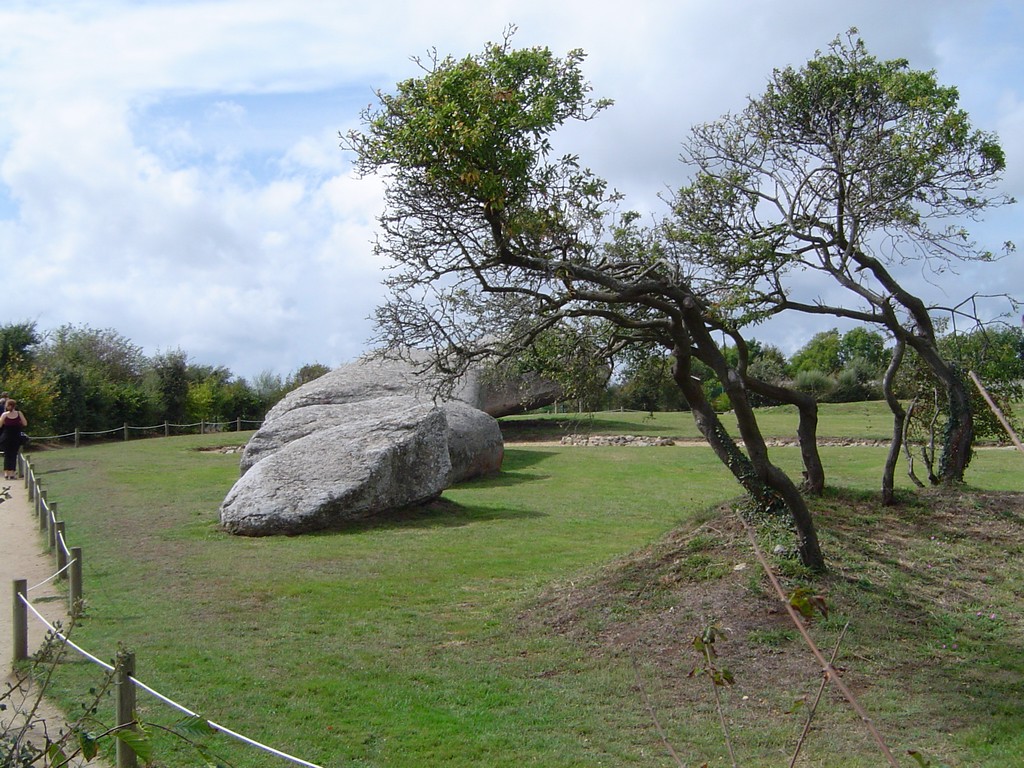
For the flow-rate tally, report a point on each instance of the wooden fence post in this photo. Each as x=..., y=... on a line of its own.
x=59, y=542
x=238, y=424
x=43, y=515
x=125, y=687
x=167, y=429
x=20, y=617
x=76, y=437
x=75, y=586
x=51, y=521
x=202, y=427
x=126, y=431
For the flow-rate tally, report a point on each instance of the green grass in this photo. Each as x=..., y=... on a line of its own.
x=414, y=641
x=866, y=421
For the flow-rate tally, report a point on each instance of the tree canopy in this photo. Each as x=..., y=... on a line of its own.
x=495, y=243
x=847, y=166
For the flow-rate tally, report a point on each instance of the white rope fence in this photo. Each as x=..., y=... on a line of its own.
x=57, y=575
x=170, y=702
x=70, y=559
x=203, y=427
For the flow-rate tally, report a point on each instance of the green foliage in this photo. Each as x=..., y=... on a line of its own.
x=202, y=402
x=27, y=740
x=705, y=646
x=77, y=377
x=566, y=355
x=768, y=363
x=816, y=383
x=97, y=377
x=471, y=188
x=478, y=126
x=169, y=371
x=36, y=396
x=996, y=355
x=307, y=373
x=645, y=383
x=847, y=165
x=866, y=347
x=922, y=760
x=808, y=603
x=821, y=353
x=841, y=368
x=858, y=381
x=17, y=346
x=137, y=741
x=101, y=355
x=498, y=245
x=269, y=387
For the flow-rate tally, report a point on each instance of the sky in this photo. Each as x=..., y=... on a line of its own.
x=171, y=169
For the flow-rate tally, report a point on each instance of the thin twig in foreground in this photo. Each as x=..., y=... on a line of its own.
x=817, y=699
x=826, y=667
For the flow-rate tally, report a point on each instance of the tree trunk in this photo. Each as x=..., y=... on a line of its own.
x=899, y=419
x=768, y=486
x=958, y=439
x=806, y=431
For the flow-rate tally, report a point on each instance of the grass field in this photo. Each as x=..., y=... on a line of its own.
x=537, y=617
x=864, y=421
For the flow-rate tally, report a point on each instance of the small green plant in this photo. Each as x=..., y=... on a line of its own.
x=706, y=666
x=921, y=759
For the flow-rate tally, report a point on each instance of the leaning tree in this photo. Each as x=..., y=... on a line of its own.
x=849, y=167
x=496, y=244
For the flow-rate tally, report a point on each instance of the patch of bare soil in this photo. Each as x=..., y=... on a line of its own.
x=892, y=572
x=652, y=604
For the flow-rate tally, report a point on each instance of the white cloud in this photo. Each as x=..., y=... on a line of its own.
x=172, y=169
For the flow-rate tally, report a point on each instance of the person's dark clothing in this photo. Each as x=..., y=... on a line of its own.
x=10, y=440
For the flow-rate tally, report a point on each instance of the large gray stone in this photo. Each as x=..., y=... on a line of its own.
x=374, y=377
x=284, y=426
x=502, y=397
x=344, y=473
x=475, y=445
x=364, y=439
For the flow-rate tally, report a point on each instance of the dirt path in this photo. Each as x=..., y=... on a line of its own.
x=22, y=556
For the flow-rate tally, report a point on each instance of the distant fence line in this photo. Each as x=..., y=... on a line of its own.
x=203, y=427
x=69, y=566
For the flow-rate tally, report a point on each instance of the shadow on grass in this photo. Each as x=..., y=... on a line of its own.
x=502, y=480
x=442, y=513
x=55, y=471
x=517, y=458
x=556, y=428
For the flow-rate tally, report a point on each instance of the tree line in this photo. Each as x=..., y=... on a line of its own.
x=78, y=377
x=835, y=367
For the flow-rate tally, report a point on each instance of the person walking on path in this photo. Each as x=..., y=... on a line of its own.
x=12, y=422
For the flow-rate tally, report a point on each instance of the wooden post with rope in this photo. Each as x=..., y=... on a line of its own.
x=20, y=620
x=125, y=687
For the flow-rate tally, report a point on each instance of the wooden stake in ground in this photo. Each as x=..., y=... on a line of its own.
x=996, y=411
